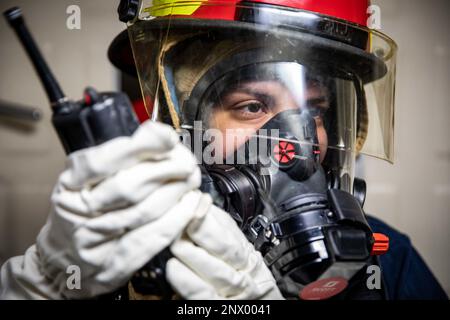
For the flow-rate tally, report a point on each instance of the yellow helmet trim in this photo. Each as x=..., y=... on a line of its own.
x=162, y=8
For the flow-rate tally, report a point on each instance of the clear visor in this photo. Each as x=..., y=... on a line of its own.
x=236, y=80
x=241, y=103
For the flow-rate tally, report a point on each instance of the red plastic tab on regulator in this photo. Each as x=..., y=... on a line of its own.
x=380, y=245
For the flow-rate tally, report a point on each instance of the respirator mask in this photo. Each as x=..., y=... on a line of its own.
x=297, y=212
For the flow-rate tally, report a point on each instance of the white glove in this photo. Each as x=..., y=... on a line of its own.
x=114, y=208
x=214, y=260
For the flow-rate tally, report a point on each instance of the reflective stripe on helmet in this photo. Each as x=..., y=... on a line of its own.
x=354, y=11
x=162, y=8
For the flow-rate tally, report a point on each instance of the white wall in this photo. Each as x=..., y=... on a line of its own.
x=413, y=195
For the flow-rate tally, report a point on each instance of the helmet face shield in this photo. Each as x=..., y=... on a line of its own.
x=234, y=76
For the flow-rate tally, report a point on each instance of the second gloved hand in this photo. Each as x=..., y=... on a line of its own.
x=214, y=260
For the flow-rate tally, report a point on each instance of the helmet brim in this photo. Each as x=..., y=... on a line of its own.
x=365, y=65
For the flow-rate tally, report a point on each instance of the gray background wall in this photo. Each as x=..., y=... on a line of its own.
x=413, y=195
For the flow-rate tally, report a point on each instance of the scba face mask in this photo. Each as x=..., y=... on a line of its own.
x=286, y=99
x=274, y=183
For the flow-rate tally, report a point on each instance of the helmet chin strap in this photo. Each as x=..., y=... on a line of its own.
x=362, y=115
x=167, y=84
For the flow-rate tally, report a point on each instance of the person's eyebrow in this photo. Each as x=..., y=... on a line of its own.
x=257, y=93
x=319, y=100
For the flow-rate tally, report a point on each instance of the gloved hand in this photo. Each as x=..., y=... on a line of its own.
x=114, y=208
x=214, y=260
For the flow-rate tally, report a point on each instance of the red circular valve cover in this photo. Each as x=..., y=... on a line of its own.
x=284, y=152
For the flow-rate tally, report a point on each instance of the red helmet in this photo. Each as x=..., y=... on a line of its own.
x=328, y=35
x=354, y=11
x=335, y=19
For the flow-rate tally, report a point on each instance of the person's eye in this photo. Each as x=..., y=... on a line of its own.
x=249, y=111
x=317, y=110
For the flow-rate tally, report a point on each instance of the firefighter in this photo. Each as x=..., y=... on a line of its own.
x=310, y=86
